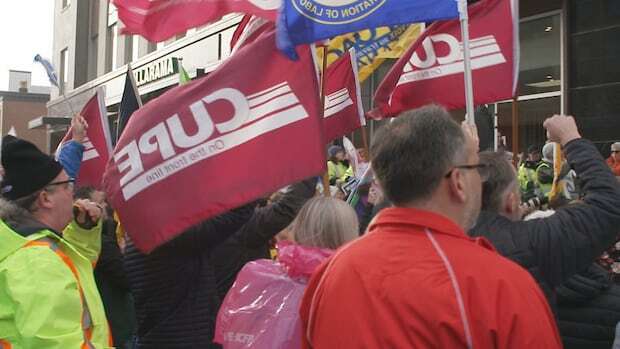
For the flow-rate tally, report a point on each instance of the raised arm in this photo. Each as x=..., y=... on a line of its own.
x=568, y=241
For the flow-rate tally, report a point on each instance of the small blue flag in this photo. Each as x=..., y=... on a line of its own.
x=308, y=21
x=51, y=74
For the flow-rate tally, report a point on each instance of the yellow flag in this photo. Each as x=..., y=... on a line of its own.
x=120, y=231
x=556, y=188
x=373, y=46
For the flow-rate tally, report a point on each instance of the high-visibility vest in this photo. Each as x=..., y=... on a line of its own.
x=87, y=324
x=526, y=175
x=71, y=271
x=545, y=188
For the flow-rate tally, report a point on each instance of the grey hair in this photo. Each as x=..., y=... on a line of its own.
x=502, y=177
x=28, y=202
x=324, y=222
x=548, y=152
x=11, y=212
x=412, y=154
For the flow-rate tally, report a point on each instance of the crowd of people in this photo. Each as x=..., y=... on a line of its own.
x=438, y=245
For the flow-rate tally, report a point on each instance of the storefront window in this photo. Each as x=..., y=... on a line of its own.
x=594, y=53
x=531, y=115
x=540, y=70
x=540, y=82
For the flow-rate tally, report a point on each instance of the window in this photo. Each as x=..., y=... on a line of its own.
x=531, y=113
x=135, y=47
x=92, y=57
x=112, y=14
x=112, y=38
x=94, y=17
x=64, y=70
x=112, y=48
x=594, y=53
x=540, y=81
x=540, y=69
x=151, y=47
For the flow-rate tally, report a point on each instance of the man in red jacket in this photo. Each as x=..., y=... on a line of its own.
x=614, y=159
x=416, y=280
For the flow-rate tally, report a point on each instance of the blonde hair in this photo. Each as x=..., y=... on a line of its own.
x=324, y=222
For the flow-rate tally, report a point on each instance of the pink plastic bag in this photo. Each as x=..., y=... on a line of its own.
x=261, y=310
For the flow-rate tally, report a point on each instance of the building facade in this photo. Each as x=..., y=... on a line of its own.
x=569, y=64
x=89, y=51
x=21, y=104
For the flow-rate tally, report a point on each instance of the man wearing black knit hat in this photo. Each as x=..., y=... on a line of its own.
x=48, y=297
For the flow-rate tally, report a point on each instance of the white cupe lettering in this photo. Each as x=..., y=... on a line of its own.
x=239, y=103
x=203, y=121
x=133, y=162
x=161, y=141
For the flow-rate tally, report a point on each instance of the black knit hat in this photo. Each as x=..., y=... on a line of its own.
x=26, y=168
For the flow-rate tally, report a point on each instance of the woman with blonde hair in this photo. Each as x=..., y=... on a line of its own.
x=263, y=303
x=324, y=222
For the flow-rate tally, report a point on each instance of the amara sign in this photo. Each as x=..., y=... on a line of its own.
x=156, y=70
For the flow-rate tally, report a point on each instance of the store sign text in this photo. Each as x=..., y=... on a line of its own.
x=155, y=71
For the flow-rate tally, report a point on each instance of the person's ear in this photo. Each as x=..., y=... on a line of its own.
x=508, y=206
x=45, y=200
x=456, y=185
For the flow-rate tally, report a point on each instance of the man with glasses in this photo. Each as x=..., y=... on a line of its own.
x=415, y=279
x=48, y=296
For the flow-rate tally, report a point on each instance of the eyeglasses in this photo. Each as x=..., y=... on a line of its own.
x=483, y=170
x=70, y=181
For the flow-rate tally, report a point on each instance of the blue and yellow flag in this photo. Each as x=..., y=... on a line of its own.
x=373, y=46
x=309, y=21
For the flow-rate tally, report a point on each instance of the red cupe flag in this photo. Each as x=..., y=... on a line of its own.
x=344, y=112
x=432, y=69
x=97, y=144
x=200, y=149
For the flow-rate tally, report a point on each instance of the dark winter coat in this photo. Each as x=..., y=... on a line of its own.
x=555, y=248
x=174, y=286
x=114, y=288
x=251, y=242
x=178, y=287
x=588, y=310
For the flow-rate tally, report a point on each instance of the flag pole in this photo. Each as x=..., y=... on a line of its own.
x=118, y=118
x=469, y=89
x=515, y=130
x=326, y=191
x=64, y=97
x=495, y=128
